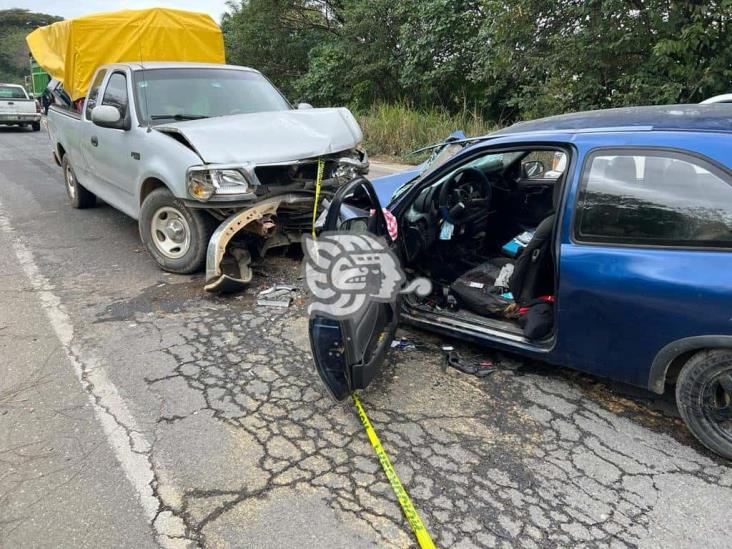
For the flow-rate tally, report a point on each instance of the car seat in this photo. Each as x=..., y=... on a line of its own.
x=533, y=273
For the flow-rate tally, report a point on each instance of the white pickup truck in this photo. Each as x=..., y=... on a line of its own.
x=182, y=146
x=17, y=108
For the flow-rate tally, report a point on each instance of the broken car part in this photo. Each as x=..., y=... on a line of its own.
x=478, y=369
x=279, y=295
x=229, y=270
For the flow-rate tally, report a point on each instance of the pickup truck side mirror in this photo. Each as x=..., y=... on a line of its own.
x=107, y=116
x=303, y=106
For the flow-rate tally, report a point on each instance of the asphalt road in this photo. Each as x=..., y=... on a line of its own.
x=135, y=410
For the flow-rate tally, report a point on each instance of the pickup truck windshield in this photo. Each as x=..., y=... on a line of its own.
x=12, y=92
x=191, y=93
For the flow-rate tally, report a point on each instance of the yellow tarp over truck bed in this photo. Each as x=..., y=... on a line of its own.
x=72, y=50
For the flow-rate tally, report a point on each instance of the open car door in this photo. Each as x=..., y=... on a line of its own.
x=348, y=350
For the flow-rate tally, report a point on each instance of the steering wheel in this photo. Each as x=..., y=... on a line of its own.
x=465, y=197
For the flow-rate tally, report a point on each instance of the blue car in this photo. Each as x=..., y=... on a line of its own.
x=600, y=241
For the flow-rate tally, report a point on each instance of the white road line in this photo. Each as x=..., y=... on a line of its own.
x=129, y=445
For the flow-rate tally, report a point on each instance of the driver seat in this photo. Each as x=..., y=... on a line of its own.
x=533, y=272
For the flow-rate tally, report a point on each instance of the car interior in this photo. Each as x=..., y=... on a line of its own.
x=482, y=234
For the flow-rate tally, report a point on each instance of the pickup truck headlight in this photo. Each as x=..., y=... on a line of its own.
x=203, y=184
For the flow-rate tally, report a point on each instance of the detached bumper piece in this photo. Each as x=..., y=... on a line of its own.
x=231, y=271
x=228, y=268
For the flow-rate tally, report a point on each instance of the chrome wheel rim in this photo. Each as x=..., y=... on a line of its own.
x=70, y=182
x=170, y=232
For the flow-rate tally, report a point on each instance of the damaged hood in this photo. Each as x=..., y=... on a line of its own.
x=269, y=137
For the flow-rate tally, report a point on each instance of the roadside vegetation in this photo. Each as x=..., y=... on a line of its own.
x=395, y=130
x=15, y=24
x=480, y=63
x=415, y=70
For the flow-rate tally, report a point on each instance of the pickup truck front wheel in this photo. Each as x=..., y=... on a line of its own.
x=176, y=236
x=79, y=197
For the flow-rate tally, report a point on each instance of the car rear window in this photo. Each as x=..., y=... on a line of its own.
x=12, y=92
x=655, y=198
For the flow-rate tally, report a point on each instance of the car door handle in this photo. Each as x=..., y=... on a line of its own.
x=94, y=140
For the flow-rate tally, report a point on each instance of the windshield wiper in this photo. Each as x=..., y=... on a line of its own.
x=178, y=116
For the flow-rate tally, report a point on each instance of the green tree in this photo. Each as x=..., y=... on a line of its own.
x=507, y=59
x=276, y=36
x=15, y=25
x=359, y=63
x=439, y=44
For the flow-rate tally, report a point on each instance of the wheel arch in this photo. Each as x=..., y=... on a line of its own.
x=149, y=184
x=670, y=359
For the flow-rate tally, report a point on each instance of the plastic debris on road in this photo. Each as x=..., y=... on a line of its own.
x=279, y=295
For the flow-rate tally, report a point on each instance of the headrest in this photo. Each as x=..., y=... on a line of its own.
x=622, y=168
x=680, y=173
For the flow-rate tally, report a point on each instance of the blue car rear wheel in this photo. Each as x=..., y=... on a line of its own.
x=704, y=398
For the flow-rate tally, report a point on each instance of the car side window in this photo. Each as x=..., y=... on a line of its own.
x=654, y=198
x=91, y=100
x=543, y=165
x=116, y=92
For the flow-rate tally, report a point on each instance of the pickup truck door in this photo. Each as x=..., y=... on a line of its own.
x=348, y=352
x=84, y=169
x=110, y=149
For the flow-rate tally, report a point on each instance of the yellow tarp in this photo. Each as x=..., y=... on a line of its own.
x=72, y=50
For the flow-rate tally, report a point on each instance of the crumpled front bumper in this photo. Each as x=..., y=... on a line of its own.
x=228, y=267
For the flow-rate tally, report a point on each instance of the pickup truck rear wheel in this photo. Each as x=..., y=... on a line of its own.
x=704, y=398
x=79, y=197
x=175, y=235
x=36, y=126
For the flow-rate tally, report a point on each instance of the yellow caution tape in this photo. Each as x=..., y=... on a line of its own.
x=423, y=536
x=318, y=183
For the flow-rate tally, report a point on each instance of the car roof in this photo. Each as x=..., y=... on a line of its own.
x=712, y=117
x=724, y=98
x=150, y=65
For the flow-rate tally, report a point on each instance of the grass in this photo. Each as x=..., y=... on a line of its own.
x=396, y=130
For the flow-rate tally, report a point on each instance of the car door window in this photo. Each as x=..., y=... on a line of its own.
x=116, y=93
x=91, y=100
x=543, y=165
x=655, y=198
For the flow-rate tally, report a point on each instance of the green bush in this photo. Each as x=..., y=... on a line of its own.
x=396, y=130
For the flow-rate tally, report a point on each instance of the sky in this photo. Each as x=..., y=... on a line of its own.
x=74, y=8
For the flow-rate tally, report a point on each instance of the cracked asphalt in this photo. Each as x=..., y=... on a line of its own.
x=135, y=410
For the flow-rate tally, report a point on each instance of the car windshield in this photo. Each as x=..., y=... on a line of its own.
x=491, y=163
x=12, y=92
x=439, y=156
x=193, y=93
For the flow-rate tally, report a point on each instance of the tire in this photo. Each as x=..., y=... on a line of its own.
x=175, y=235
x=36, y=126
x=704, y=398
x=77, y=194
